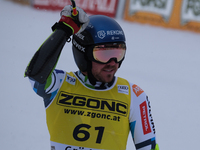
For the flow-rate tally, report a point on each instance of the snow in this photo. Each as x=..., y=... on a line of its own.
x=163, y=62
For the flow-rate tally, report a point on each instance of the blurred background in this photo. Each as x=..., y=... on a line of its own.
x=178, y=14
x=163, y=58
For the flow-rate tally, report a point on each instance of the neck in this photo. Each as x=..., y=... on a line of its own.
x=84, y=73
x=83, y=76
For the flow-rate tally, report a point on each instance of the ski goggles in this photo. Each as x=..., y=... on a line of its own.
x=105, y=52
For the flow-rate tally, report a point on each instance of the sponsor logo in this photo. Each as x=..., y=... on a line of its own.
x=92, y=114
x=77, y=148
x=98, y=5
x=144, y=118
x=115, y=32
x=114, y=38
x=150, y=115
x=71, y=80
x=81, y=48
x=123, y=89
x=101, y=34
x=80, y=36
x=92, y=103
x=92, y=5
x=107, y=7
x=190, y=11
x=137, y=90
x=160, y=7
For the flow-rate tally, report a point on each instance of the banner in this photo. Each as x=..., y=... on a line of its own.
x=24, y=2
x=103, y=7
x=178, y=14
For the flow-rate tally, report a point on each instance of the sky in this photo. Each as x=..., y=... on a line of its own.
x=163, y=62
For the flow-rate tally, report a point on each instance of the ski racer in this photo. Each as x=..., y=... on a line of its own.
x=90, y=109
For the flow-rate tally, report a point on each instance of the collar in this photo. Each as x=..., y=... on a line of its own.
x=98, y=85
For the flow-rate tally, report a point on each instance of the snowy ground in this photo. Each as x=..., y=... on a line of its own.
x=164, y=62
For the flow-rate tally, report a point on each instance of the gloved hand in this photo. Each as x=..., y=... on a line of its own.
x=71, y=24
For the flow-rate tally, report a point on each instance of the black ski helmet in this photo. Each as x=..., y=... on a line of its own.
x=100, y=30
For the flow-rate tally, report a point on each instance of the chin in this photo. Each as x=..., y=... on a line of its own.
x=108, y=79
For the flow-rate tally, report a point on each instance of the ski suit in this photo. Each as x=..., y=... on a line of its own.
x=81, y=116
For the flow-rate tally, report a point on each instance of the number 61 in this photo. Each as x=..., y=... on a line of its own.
x=78, y=130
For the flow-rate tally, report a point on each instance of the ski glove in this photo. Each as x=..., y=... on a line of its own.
x=72, y=24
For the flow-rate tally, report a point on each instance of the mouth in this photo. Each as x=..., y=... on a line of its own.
x=109, y=70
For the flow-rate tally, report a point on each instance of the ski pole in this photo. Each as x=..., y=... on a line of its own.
x=75, y=12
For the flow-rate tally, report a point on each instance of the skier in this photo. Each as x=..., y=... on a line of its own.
x=90, y=109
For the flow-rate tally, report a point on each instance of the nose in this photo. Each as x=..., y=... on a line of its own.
x=112, y=61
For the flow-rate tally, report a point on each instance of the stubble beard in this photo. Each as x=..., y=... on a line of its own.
x=105, y=79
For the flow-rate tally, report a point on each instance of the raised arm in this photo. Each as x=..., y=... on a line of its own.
x=46, y=57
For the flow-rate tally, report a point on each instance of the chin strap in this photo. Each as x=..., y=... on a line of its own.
x=91, y=77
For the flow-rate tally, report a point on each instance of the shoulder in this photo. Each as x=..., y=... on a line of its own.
x=122, y=81
x=135, y=90
x=55, y=80
x=59, y=72
x=137, y=94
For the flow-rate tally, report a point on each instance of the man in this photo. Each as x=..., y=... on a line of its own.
x=90, y=109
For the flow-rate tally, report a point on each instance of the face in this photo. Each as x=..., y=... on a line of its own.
x=104, y=72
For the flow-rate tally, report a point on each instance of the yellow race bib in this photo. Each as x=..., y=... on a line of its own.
x=85, y=117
